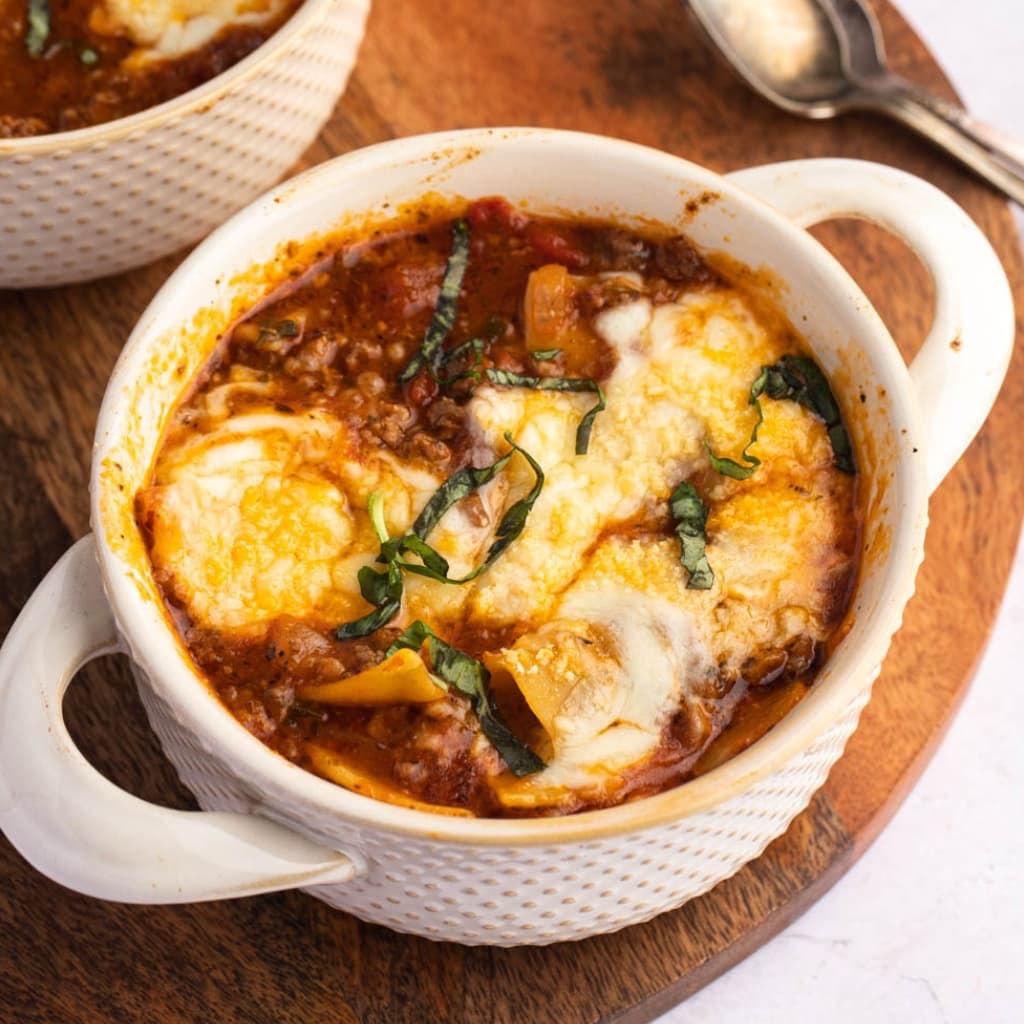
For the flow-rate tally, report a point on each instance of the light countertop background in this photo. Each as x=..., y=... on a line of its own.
x=929, y=925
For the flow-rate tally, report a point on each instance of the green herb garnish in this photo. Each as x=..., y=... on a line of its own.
x=729, y=467
x=384, y=589
x=690, y=516
x=277, y=330
x=372, y=621
x=298, y=710
x=38, y=27
x=381, y=589
x=89, y=57
x=518, y=380
x=474, y=348
x=461, y=485
x=469, y=677
x=799, y=379
x=543, y=355
x=443, y=319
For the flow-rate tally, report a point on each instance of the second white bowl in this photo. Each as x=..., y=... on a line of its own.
x=100, y=200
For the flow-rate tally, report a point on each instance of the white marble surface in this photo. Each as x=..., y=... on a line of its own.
x=929, y=925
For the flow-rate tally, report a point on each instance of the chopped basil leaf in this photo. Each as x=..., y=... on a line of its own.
x=89, y=57
x=445, y=311
x=474, y=346
x=411, y=639
x=368, y=623
x=375, y=508
x=727, y=467
x=507, y=377
x=587, y=424
x=690, y=515
x=384, y=589
x=299, y=710
x=798, y=379
x=459, y=486
x=435, y=564
x=380, y=588
x=467, y=675
x=842, y=449
x=731, y=468
x=277, y=330
x=514, y=520
x=520, y=759
x=38, y=27
x=543, y=355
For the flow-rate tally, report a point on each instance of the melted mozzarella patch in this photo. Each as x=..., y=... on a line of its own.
x=168, y=29
x=264, y=513
x=683, y=377
x=247, y=528
x=603, y=679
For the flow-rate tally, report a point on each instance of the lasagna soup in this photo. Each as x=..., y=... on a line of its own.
x=493, y=514
x=73, y=63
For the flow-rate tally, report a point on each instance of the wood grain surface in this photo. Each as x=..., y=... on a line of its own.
x=631, y=68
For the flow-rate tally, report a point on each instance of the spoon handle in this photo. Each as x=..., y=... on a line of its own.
x=992, y=154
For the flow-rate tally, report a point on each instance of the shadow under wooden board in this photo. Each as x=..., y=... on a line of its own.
x=635, y=69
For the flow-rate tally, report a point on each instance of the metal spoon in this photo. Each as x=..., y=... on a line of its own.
x=821, y=58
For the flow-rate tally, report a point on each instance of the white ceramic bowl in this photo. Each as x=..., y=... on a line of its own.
x=95, y=201
x=467, y=880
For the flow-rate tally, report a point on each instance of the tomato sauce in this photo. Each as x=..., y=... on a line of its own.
x=338, y=341
x=80, y=77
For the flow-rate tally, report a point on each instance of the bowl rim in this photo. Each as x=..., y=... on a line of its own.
x=199, y=99
x=282, y=784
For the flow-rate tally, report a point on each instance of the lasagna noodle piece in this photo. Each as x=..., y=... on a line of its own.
x=603, y=679
x=402, y=678
x=346, y=772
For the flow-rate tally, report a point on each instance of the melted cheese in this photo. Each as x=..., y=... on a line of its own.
x=263, y=514
x=602, y=678
x=247, y=524
x=168, y=29
x=683, y=377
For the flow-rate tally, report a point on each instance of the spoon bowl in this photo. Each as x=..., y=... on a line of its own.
x=787, y=50
x=822, y=58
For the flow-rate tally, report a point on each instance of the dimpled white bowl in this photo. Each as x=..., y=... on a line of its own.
x=268, y=824
x=95, y=201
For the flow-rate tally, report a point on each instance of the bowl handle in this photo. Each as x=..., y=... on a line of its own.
x=80, y=829
x=959, y=369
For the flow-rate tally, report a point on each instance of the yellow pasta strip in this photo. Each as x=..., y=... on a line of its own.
x=335, y=768
x=400, y=679
x=566, y=671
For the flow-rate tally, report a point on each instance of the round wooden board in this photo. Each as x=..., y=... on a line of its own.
x=631, y=68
